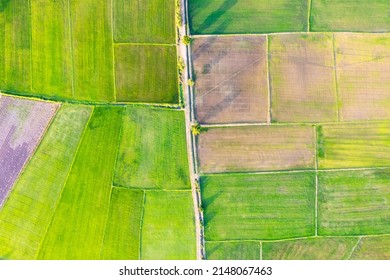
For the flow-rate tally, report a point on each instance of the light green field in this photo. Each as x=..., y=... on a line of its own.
x=353, y=145
x=51, y=48
x=302, y=78
x=347, y=15
x=15, y=35
x=146, y=73
x=354, y=202
x=262, y=206
x=168, y=231
x=247, y=16
x=122, y=236
x=152, y=151
x=27, y=214
x=246, y=250
x=92, y=50
x=78, y=225
x=321, y=248
x=373, y=248
x=144, y=21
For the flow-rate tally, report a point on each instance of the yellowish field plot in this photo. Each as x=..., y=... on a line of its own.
x=244, y=250
x=15, y=43
x=353, y=145
x=363, y=70
x=256, y=148
x=354, y=202
x=122, y=236
x=92, y=49
x=51, y=48
x=302, y=78
x=373, y=248
x=168, y=228
x=258, y=206
x=231, y=79
x=316, y=248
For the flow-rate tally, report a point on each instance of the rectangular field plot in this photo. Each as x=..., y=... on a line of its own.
x=245, y=250
x=168, y=230
x=51, y=48
x=92, y=50
x=22, y=125
x=122, y=236
x=152, y=150
x=144, y=21
x=15, y=35
x=302, y=78
x=78, y=225
x=256, y=148
x=373, y=248
x=353, y=145
x=27, y=213
x=258, y=207
x=350, y=15
x=318, y=248
x=354, y=202
x=231, y=79
x=363, y=70
x=146, y=73
x=247, y=16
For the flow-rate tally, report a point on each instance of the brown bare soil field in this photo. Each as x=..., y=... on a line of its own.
x=363, y=71
x=231, y=79
x=302, y=78
x=22, y=124
x=256, y=148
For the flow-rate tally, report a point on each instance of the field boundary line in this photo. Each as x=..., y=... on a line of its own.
x=288, y=33
x=113, y=47
x=31, y=45
x=335, y=73
x=23, y=169
x=141, y=222
x=142, y=44
x=316, y=174
x=64, y=184
x=354, y=247
x=269, y=115
x=261, y=250
x=309, y=7
x=70, y=25
x=105, y=227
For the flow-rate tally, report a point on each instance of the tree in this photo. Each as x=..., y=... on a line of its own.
x=187, y=40
x=191, y=82
x=196, y=129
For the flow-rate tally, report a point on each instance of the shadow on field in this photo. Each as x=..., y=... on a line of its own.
x=4, y=4
x=216, y=15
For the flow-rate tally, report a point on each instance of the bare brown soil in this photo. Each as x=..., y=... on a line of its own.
x=231, y=79
x=256, y=148
x=302, y=78
x=22, y=124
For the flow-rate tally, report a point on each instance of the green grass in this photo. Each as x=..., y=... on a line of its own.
x=146, y=73
x=354, y=145
x=373, y=248
x=255, y=207
x=51, y=48
x=247, y=16
x=92, y=50
x=144, y=21
x=246, y=250
x=15, y=37
x=168, y=231
x=27, y=214
x=354, y=202
x=122, y=236
x=78, y=225
x=318, y=248
x=347, y=15
x=152, y=151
